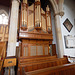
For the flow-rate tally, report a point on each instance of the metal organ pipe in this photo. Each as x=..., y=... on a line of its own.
x=48, y=19
x=22, y=18
x=38, y=14
x=24, y=15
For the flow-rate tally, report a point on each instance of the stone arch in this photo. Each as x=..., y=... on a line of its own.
x=55, y=6
x=3, y=11
x=58, y=8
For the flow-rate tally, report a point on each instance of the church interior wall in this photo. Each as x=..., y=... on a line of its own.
x=69, y=12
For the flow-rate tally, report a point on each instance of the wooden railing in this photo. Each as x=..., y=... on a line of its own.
x=2, y=53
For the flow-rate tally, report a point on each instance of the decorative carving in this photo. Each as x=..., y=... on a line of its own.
x=25, y=1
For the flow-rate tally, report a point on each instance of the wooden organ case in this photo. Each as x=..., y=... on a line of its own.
x=35, y=29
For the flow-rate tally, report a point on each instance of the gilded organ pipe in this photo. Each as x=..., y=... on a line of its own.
x=22, y=18
x=24, y=14
x=37, y=15
x=48, y=19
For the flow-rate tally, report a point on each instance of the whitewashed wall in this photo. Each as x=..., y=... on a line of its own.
x=69, y=10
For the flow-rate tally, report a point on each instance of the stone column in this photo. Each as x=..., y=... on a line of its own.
x=60, y=6
x=13, y=28
x=59, y=36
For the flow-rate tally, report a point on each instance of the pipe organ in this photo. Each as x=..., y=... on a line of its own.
x=36, y=43
x=35, y=29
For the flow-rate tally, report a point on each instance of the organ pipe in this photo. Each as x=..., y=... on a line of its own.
x=48, y=19
x=38, y=15
x=24, y=14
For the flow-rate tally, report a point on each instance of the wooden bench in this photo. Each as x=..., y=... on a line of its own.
x=35, y=58
x=67, y=69
x=31, y=66
x=40, y=63
x=2, y=53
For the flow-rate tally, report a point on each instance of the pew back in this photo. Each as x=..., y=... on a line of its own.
x=35, y=58
x=36, y=63
x=2, y=53
x=67, y=69
x=31, y=66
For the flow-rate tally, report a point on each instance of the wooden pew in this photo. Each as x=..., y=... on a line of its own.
x=31, y=66
x=67, y=69
x=2, y=53
x=31, y=59
x=34, y=64
x=35, y=58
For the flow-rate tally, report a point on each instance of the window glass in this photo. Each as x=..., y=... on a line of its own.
x=3, y=19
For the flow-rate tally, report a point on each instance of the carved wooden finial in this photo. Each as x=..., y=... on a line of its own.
x=47, y=8
x=37, y=0
x=25, y=1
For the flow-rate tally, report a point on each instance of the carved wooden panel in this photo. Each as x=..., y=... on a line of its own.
x=36, y=36
x=33, y=51
x=39, y=50
x=25, y=51
x=35, y=47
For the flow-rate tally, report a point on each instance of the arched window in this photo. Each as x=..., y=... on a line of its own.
x=3, y=19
